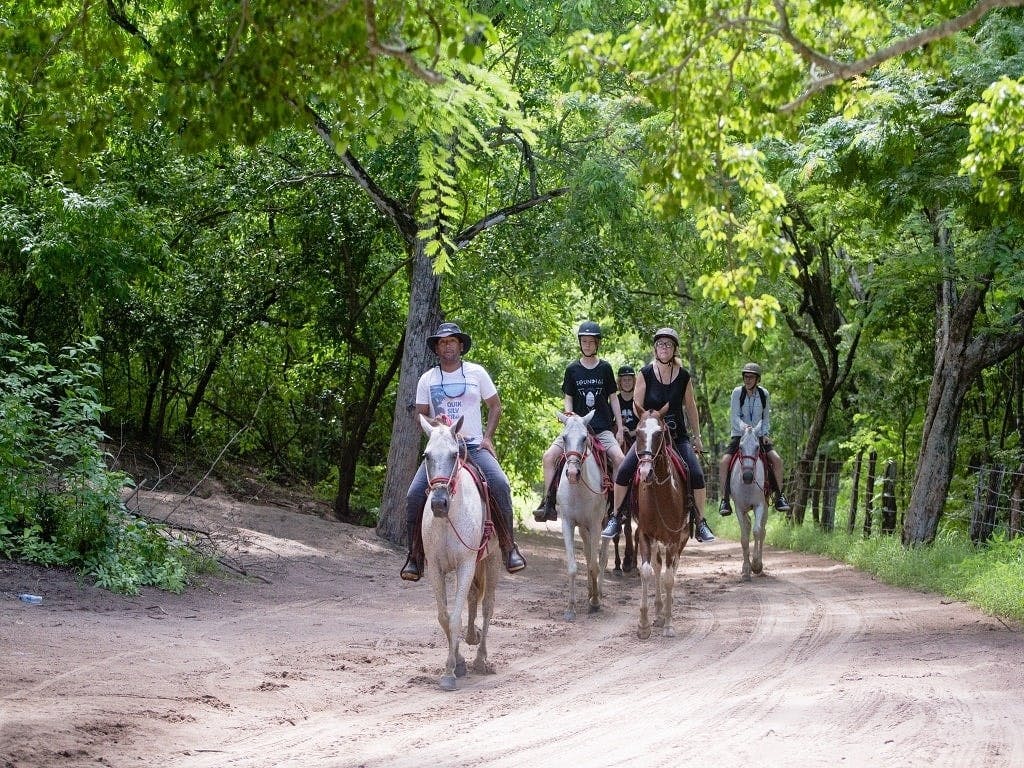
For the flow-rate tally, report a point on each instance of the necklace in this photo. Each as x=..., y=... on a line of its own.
x=658, y=376
x=459, y=387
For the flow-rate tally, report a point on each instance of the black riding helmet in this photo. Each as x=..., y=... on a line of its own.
x=626, y=370
x=589, y=328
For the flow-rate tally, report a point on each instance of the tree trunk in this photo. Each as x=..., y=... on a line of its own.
x=424, y=317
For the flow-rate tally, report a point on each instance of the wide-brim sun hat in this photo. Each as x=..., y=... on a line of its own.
x=753, y=368
x=445, y=330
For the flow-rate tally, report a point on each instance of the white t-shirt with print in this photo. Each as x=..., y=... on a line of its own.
x=456, y=394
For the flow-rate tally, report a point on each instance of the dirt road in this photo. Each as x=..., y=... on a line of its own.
x=327, y=659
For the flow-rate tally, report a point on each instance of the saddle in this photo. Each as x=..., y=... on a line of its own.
x=494, y=522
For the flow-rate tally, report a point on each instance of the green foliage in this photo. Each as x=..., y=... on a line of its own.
x=60, y=503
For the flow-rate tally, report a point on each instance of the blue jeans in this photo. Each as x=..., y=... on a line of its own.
x=628, y=467
x=497, y=486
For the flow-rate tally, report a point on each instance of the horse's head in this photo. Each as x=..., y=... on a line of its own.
x=442, y=462
x=574, y=442
x=750, y=447
x=651, y=434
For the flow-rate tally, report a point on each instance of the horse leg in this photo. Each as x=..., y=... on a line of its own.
x=570, y=562
x=484, y=584
x=437, y=578
x=643, y=630
x=629, y=556
x=668, y=580
x=593, y=569
x=456, y=666
x=760, y=515
x=743, y=517
x=618, y=560
x=659, y=597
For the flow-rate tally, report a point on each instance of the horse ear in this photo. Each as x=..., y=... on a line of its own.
x=562, y=417
x=458, y=425
x=588, y=417
x=426, y=423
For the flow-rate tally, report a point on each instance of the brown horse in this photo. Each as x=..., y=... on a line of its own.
x=663, y=523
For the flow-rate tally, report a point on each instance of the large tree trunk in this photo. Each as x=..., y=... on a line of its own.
x=424, y=316
x=959, y=359
x=817, y=323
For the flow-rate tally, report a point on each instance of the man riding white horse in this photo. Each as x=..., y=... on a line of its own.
x=750, y=407
x=455, y=388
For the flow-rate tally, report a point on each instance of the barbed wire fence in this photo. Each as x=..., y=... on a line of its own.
x=863, y=493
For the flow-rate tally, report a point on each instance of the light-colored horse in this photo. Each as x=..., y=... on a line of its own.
x=453, y=536
x=663, y=520
x=746, y=486
x=582, y=503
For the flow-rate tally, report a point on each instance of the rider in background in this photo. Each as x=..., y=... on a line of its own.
x=627, y=381
x=456, y=388
x=750, y=406
x=665, y=386
x=588, y=385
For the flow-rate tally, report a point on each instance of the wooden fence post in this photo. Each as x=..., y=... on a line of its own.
x=869, y=493
x=889, y=498
x=854, y=491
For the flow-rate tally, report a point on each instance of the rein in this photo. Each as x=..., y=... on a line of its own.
x=451, y=484
x=578, y=458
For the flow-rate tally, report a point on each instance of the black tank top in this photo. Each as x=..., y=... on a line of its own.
x=657, y=394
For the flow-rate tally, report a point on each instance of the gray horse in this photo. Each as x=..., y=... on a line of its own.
x=581, y=503
x=746, y=486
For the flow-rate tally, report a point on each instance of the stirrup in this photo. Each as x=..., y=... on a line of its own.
x=411, y=571
x=514, y=560
x=725, y=508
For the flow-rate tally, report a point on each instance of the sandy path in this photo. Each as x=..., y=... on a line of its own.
x=333, y=661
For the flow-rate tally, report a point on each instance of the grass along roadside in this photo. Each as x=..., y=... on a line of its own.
x=990, y=576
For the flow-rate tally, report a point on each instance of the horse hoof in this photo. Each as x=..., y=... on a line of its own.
x=460, y=668
x=757, y=568
x=617, y=571
x=745, y=576
x=569, y=615
x=594, y=608
x=644, y=633
x=668, y=632
x=658, y=622
x=483, y=667
x=447, y=682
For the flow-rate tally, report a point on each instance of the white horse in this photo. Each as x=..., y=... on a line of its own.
x=453, y=537
x=581, y=503
x=746, y=486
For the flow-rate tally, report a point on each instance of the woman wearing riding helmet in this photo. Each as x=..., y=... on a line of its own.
x=750, y=405
x=665, y=385
x=588, y=385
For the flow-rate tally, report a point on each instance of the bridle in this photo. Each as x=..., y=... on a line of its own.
x=576, y=459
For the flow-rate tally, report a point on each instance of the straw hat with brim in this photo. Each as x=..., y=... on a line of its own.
x=449, y=329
